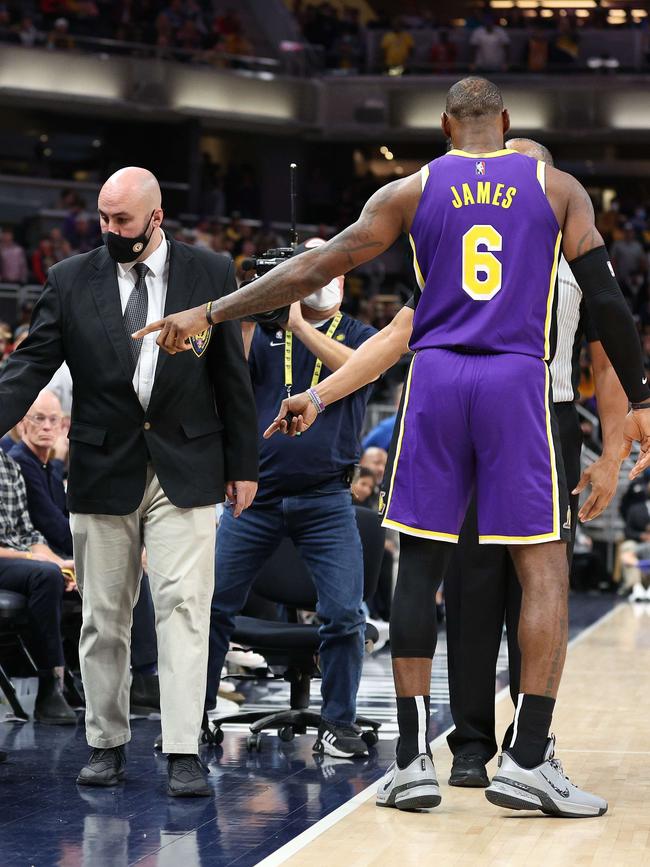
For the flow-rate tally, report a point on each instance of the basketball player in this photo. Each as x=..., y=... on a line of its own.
x=487, y=225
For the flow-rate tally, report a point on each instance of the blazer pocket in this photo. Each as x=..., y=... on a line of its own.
x=203, y=427
x=87, y=433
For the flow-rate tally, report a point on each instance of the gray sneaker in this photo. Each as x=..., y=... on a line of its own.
x=544, y=788
x=413, y=788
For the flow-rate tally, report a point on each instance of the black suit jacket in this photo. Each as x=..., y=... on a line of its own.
x=638, y=518
x=200, y=429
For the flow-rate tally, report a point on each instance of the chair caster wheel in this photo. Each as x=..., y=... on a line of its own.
x=217, y=737
x=286, y=733
x=254, y=743
x=370, y=738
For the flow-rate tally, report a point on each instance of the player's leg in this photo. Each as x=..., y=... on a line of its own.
x=411, y=782
x=522, y=501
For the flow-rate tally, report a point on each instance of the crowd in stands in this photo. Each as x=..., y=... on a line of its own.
x=183, y=29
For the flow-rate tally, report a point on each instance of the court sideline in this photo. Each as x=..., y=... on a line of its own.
x=602, y=729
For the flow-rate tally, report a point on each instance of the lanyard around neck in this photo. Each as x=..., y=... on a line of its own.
x=288, y=356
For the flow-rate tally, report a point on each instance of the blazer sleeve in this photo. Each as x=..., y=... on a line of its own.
x=234, y=395
x=29, y=369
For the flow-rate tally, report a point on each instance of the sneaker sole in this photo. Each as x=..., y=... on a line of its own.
x=324, y=748
x=202, y=793
x=469, y=782
x=114, y=781
x=421, y=797
x=512, y=798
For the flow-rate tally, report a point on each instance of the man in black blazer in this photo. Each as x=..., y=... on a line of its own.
x=155, y=441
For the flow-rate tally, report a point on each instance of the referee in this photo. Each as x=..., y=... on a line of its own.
x=481, y=586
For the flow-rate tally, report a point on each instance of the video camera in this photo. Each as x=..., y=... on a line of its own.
x=262, y=265
x=271, y=259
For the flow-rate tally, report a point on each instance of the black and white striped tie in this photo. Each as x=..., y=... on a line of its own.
x=135, y=313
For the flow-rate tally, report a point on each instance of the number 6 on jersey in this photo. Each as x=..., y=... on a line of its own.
x=481, y=269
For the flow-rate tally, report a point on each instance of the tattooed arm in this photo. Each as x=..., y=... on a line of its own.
x=385, y=216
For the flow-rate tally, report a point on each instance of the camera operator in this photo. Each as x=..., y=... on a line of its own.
x=304, y=493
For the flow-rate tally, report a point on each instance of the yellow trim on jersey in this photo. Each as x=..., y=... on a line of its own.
x=416, y=264
x=454, y=152
x=541, y=175
x=551, y=451
x=415, y=531
x=424, y=175
x=401, y=433
x=551, y=296
x=518, y=540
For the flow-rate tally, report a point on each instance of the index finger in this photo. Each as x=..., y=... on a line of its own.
x=271, y=429
x=642, y=464
x=148, y=329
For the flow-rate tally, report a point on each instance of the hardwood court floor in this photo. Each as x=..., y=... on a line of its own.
x=603, y=728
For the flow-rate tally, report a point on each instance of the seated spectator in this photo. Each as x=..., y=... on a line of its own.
x=29, y=567
x=61, y=248
x=13, y=261
x=28, y=35
x=564, y=49
x=635, y=567
x=397, y=46
x=5, y=337
x=189, y=37
x=637, y=521
x=363, y=486
x=635, y=494
x=444, y=53
x=490, y=44
x=375, y=459
x=42, y=259
x=40, y=456
x=82, y=234
x=59, y=39
x=628, y=258
x=537, y=50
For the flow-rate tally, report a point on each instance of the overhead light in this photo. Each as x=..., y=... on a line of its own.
x=399, y=170
x=502, y=4
x=617, y=13
x=582, y=13
x=527, y=4
x=570, y=4
x=97, y=143
x=389, y=155
x=458, y=22
x=530, y=13
x=639, y=13
x=383, y=150
x=47, y=152
x=546, y=13
x=43, y=138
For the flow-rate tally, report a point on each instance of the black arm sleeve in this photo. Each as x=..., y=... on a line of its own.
x=613, y=320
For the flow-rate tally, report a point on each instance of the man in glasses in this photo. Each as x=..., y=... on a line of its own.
x=30, y=567
x=40, y=456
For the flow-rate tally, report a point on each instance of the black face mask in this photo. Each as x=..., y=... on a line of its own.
x=123, y=249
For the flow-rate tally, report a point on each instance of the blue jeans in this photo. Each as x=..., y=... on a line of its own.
x=324, y=530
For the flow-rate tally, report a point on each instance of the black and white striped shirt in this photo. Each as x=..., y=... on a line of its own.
x=572, y=324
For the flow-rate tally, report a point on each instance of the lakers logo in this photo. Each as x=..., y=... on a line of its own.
x=567, y=523
x=138, y=247
x=382, y=505
x=200, y=342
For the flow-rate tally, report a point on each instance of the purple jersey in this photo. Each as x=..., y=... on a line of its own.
x=486, y=245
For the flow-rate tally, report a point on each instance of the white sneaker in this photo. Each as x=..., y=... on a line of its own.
x=545, y=788
x=383, y=629
x=638, y=593
x=245, y=658
x=414, y=787
x=223, y=708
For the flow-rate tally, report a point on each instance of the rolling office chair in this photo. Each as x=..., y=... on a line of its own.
x=292, y=646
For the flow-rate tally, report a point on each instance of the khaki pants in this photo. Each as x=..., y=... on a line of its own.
x=180, y=565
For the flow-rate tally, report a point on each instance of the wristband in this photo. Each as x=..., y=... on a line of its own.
x=645, y=404
x=312, y=394
x=29, y=555
x=208, y=313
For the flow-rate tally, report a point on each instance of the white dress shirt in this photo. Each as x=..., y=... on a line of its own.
x=158, y=264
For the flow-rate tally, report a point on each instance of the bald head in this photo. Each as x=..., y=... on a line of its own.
x=134, y=185
x=473, y=98
x=531, y=148
x=130, y=205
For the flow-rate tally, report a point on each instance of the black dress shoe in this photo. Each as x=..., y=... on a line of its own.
x=106, y=767
x=51, y=707
x=469, y=771
x=187, y=777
